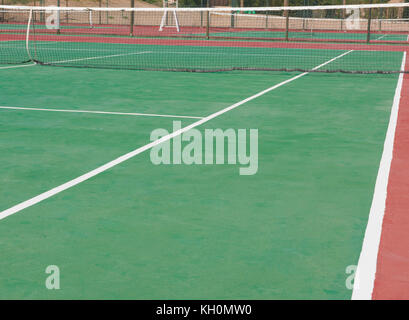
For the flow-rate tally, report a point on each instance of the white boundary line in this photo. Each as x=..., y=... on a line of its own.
x=100, y=57
x=102, y=112
x=161, y=52
x=80, y=59
x=381, y=37
x=19, y=66
x=366, y=269
x=113, y=163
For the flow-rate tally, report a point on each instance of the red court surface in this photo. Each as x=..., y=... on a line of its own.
x=392, y=274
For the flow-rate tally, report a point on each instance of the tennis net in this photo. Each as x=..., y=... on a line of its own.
x=355, y=38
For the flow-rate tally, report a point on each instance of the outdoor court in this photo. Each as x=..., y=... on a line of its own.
x=79, y=190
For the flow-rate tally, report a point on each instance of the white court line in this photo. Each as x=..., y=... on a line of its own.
x=172, y=52
x=113, y=163
x=80, y=59
x=381, y=37
x=19, y=66
x=100, y=57
x=366, y=269
x=102, y=112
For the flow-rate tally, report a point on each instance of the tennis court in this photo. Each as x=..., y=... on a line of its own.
x=80, y=191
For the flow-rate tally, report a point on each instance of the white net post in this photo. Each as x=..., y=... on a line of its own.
x=30, y=17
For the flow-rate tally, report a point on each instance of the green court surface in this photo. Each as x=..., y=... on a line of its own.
x=262, y=33
x=145, y=231
x=175, y=57
x=314, y=34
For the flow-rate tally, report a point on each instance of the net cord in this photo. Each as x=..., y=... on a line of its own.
x=294, y=8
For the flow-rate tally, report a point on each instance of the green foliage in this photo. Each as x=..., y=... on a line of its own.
x=155, y=2
x=189, y=3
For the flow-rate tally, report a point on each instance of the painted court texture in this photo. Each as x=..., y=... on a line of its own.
x=142, y=231
x=393, y=259
x=79, y=190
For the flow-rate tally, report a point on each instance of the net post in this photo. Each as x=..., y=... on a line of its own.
x=107, y=13
x=132, y=18
x=266, y=4
x=368, y=34
x=99, y=12
x=207, y=20
x=201, y=14
x=207, y=24
x=42, y=16
x=58, y=17
x=91, y=22
x=266, y=27
x=166, y=5
x=287, y=23
x=30, y=17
